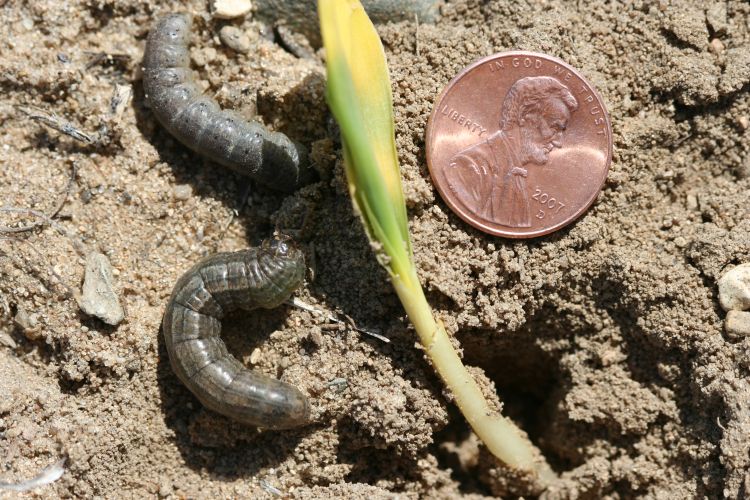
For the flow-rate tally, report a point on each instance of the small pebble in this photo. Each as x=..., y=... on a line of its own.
x=235, y=39
x=716, y=46
x=165, y=488
x=201, y=57
x=228, y=9
x=743, y=171
x=29, y=432
x=737, y=324
x=182, y=192
x=294, y=42
x=7, y=341
x=6, y=405
x=743, y=122
x=23, y=319
x=338, y=384
x=29, y=323
x=316, y=337
x=734, y=289
x=256, y=356
x=265, y=31
x=692, y=202
x=99, y=298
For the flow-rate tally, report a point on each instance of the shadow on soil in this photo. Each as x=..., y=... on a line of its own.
x=208, y=441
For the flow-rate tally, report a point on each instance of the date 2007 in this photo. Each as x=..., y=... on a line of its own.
x=553, y=205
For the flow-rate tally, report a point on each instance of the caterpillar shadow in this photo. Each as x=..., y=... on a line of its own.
x=210, y=442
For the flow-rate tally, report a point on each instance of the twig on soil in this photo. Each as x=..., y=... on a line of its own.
x=5, y=316
x=107, y=133
x=416, y=34
x=4, y=307
x=119, y=101
x=79, y=247
x=269, y=488
x=235, y=212
x=349, y=321
x=718, y=422
x=49, y=475
x=157, y=236
x=338, y=384
x=103, y=57
x=312, y=266
x=681, y=140
x=44, y=218
x=70, y=292
x=55, y=122
x=224, y=227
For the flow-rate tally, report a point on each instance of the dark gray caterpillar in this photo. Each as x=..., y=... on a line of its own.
x=257, y=277
x=198, y=122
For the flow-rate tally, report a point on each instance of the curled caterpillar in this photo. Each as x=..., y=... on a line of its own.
x=198, y=122
x=261, y=277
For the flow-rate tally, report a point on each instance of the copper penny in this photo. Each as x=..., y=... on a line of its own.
x=519, y=144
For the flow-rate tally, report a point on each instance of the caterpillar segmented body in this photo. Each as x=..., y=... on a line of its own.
x=197, y=121
x=261, y=277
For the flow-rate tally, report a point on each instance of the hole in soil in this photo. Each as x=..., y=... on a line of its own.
x=383, y=467
x=527, y=381
x=457, y=448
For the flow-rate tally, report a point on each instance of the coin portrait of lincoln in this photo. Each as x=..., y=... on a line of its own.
x=489, y=177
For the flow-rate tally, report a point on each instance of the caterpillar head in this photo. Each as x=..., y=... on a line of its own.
x=284, y=265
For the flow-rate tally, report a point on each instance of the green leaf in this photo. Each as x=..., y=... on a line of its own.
x=359, y=95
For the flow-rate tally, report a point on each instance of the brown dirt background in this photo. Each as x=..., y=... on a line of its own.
x=605, y=340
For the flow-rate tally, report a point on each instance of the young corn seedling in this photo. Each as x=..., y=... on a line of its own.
x=359, y=95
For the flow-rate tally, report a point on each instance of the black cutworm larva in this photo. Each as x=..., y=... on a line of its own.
x=261, y=277
x=197, y=121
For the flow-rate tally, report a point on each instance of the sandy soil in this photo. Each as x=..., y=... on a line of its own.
x=604, y=341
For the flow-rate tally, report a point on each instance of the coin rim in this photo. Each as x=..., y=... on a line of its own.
x=458, y=210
